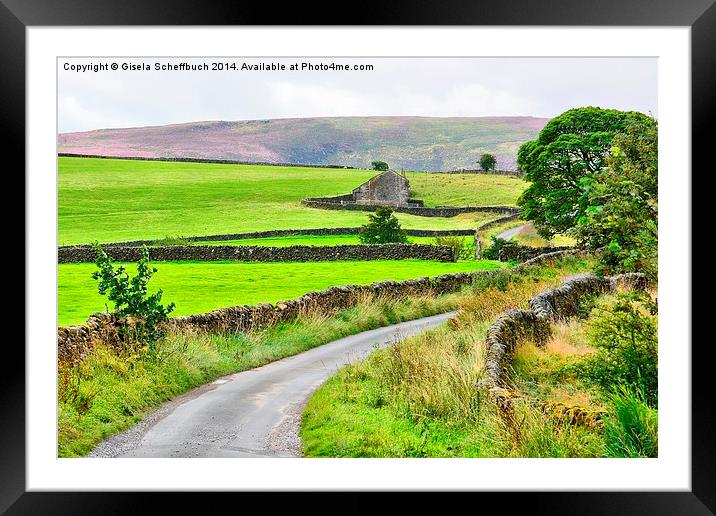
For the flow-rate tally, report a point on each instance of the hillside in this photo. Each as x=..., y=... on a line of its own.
x=412, y=143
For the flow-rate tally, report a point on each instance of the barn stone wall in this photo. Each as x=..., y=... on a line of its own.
x=387, y=189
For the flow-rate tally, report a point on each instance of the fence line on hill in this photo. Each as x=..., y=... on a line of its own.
x=201, y=160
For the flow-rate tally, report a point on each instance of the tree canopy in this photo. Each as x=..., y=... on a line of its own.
x=383, y=227
x=488, y=162
x=622, y=203
x=379, y=165
x=571, y=147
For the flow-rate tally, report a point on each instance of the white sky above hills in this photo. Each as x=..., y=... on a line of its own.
x=543, y=87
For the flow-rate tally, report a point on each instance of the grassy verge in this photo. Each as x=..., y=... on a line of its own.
x=110, y=391
x=423, y=397
x=564, y=381
x=420, y=398
x=198, y=287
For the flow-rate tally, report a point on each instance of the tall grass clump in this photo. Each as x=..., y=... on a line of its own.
x=437, y=374
x=601, y=372
x=442, y=387
x=631, y=430
x=533, y=433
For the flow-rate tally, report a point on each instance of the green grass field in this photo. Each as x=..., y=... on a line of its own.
x=115, y=200
x=198, y=287
x=317, y=240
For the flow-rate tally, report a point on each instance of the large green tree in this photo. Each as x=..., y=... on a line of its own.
x=570, y=148
x=622, y=211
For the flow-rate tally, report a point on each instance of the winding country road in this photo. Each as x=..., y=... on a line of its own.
x=254, y=413
x=509, y=233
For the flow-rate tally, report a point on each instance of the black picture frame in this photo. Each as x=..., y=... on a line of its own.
x=700, y=15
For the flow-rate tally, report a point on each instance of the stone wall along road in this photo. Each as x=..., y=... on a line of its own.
x=75, y=342
x=535, y=323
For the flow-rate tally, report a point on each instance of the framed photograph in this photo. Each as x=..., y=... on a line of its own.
x=435, y=249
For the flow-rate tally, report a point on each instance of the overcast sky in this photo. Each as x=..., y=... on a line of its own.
x=542, y=87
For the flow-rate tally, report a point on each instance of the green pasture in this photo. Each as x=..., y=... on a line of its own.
x=198, y=287
x=317, y=240
x=114, y=200
x=465, y=189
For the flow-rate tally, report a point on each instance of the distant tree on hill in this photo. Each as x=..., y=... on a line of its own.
x=570, y=148
x=379, y=165
x=488, y=162
x=383, y=227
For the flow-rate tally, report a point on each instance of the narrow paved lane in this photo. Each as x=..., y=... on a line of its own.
x=254, y=413
x=509, y=233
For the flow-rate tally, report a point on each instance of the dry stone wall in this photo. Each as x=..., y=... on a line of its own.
x=521, y=253
x=282, y=233
x=512, y=173
x=549, y=306
x=327, y=203
x=297, y=253
x=202, y=160
x=75, y=342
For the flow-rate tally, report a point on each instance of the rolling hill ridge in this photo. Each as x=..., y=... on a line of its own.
x=411, y=143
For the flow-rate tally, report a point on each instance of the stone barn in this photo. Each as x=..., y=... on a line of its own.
x=389, y=189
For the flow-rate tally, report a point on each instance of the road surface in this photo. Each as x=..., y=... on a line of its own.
x=254, y=413
x=509, y=233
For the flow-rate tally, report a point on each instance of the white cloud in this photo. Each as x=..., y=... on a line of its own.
x=74, y=114
x=320, y=99
x=396, y=86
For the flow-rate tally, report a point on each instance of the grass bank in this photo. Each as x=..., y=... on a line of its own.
x=579, y=381
x=424, y=397
x=198, y=287
x=115, y=200
x=110, y=391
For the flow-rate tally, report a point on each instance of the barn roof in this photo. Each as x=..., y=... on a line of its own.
x=387, y=172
